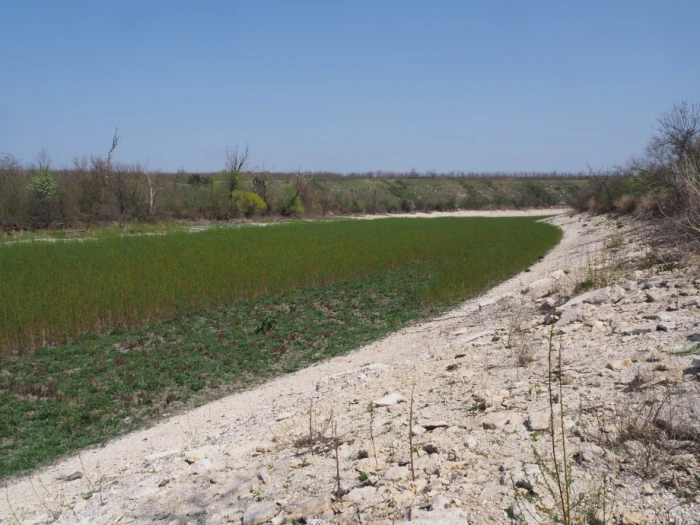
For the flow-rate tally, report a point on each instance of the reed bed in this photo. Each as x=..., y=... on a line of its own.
x=51, y=293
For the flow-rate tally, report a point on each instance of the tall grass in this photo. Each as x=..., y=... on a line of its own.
x=52, y=292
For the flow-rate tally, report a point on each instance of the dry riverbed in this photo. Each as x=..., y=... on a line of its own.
x=478, y=416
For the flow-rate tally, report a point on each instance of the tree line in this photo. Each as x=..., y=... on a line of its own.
x=99, y=190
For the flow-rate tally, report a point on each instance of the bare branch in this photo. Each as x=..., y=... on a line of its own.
x=115, y=142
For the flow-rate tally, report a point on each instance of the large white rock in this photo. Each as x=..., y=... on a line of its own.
x=258, y=513
x=389, y=400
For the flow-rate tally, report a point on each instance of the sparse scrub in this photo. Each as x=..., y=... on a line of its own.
x=664, y=183
x=569, y=503
x=603, y=266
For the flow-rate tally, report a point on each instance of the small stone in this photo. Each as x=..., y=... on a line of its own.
x=639, y=329
x=548, y=304
x=538, y=421
x=439, y=502
x=402, y=499
x=438, y=517
x=432, y=425
x=389, y=400
x=264, y=476
x=360, y=494
x=418, y=430
x=647, y=489
x=655, y=357
x=652, y=296
x=72, y=477
x=590, y=452
x=368, y=465
x=644, y=377
x=618, y=365
x=496, y=420
x=263, y=448
x=428, y=465
x=258, y=513
x=471, y=442
x=310, y=508
x=626, y=517
x=80, y=505
x=419, y=486
x=396, y=473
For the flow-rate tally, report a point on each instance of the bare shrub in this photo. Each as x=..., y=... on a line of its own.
x=524, y=352
x=630, y=428
x=319, y=439
x=649, y=205
x=569, y=504
x=625, y=204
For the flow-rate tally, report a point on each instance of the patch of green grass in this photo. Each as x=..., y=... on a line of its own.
x=52, y=292
x=584, y=285
x=693, y=350
x=59, y=399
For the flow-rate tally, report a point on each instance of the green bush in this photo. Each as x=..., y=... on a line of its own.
x=44, y=183
x=292, y=203
x=247, y=203
x=199, y=180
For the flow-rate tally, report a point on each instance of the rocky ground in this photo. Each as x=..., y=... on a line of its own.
x=333, y=443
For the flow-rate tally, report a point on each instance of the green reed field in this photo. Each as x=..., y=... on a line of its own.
x=52, y=292
x=102, y=336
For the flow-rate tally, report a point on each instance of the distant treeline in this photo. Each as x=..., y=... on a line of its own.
x=98, y=190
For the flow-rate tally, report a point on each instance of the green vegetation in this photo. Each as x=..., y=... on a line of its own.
x=52, y=292
x=97, y=192
x=240, y=306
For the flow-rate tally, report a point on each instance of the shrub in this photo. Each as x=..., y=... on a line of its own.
x=44, y=183
x=246, y=203
x=291, y=205
x=626, y=204
x=199, y=180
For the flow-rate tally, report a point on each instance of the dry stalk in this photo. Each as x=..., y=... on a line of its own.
x=338, y=490
x=371, y=435
x=91, y=486
x=9, y=506
x=41, y=500
x=410, y=434
x=311, y=426
x=100, y=479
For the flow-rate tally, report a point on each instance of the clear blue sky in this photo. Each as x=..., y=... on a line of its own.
x=344, y=86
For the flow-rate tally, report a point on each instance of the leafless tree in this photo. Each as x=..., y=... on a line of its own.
x=261, y=186
x=326, y=196
x=125, y=185
x=304, y=189
x=146, y=176
x=677, y=134
x=43, y=160
x=102, y=166
x=12, y=185
x=236, y=160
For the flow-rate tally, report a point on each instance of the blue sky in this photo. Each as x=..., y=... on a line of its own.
x=344, y=86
